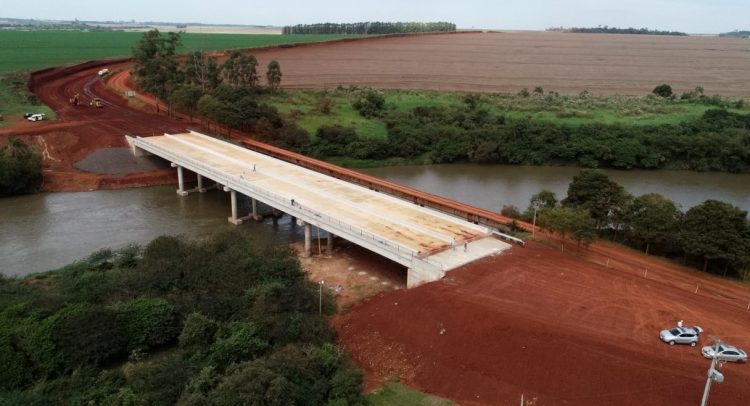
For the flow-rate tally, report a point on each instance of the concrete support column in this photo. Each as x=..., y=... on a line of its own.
x=200, y=187
x=308, y=239
x=180, y=181
x=329, y=244
x=255, y=215
x=234, y=219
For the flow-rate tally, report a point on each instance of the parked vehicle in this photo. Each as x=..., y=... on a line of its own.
x=681, y=335
x=103, y=72
x=96, y=102
x=725, y=352
x=35, y=117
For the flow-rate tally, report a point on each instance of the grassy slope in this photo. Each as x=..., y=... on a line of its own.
x=21, y=50
x=301, y=107
x=12, y=106
x=395, y=394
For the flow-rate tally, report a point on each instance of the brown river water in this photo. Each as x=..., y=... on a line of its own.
x=46, y=231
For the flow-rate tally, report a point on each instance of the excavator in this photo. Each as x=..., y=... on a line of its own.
x=96, y=102
x=75, y=100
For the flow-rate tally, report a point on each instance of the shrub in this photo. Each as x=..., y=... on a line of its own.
x=150, y=323
x=88, y=335
x=20, y=168
x=240, y=342
x=161, y=381
x=370, y=104
x=332, y=141
x=664, y=91
x=197, y=333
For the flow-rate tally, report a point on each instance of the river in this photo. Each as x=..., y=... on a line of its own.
x=492, y=186
x=46, y=231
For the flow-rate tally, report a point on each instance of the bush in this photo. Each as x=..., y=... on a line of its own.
x=161, y=381
x=370, y=104
x=197, y=333
x=332, y=141
x=89, y=335
x=241, y=341
x=150, y=323
x=20, y=168
x=664, y=91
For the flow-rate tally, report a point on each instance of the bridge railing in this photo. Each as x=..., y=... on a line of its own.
x=406, y=254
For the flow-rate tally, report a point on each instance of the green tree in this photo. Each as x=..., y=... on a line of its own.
x=149, y=323
x=185, y=98
x=155, y=63
x=545, y=199
x=715, y=230
x=568, y=221
x=273, y=74
x=594, y=191
x=20, y=168
x=664, y=91
x=202, y=70
x=652, y=219
x=240, y=70
x=210, y=108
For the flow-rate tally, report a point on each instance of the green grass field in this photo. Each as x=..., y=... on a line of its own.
x=31, y=50
x=303, y=108
x=13, y=104
x=395, y=394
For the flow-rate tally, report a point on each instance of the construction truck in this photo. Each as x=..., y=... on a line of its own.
x=96, y=102
x=75, y=100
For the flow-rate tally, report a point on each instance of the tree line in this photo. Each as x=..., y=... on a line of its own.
x=614, y=30
x=218, y=321
x=713, y=235
x=224, y=93
x=717, y=141
x=369, y=28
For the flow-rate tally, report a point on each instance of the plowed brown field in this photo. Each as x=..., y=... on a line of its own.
x=509, y=61
x=541, y=323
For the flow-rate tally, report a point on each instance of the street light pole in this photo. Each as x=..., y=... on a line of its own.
x=713, y=375
x=533, y=225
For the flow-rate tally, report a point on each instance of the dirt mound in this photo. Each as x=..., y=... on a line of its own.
x=541, y=323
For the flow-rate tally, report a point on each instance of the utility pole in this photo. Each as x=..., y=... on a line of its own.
x=713, y=375
x=320, y=298
x=533, y=225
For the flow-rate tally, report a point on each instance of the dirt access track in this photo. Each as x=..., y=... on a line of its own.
x=81, y=130
x=603, y=64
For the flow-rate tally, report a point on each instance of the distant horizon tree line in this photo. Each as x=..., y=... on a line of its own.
x=604, y=29
x=369, y=28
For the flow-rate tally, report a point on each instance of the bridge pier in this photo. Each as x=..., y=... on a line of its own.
x=254, y=214
x=200, y=187
x=308, y=239
x=180, y=180
x=329, y=243
x=234, y=219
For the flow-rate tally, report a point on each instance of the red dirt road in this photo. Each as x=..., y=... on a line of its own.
x=81, y=130
x=541, y=323
x=603, y=64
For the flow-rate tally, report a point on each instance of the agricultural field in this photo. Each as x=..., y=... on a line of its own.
x=507, y=62
x=30, y=50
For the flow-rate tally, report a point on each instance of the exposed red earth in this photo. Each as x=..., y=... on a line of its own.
x=588, y=318
x=550, y=326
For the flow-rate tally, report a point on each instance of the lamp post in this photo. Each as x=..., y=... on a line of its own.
x=713, y=375
x=533, y=225
x=320, y=297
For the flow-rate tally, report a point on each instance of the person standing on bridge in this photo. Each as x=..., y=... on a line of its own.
x=292, y=202
x=466, y=246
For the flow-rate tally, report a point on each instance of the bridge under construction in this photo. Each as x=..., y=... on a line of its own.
x=426, y=241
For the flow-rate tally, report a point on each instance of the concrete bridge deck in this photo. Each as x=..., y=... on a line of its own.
x=424, y=240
